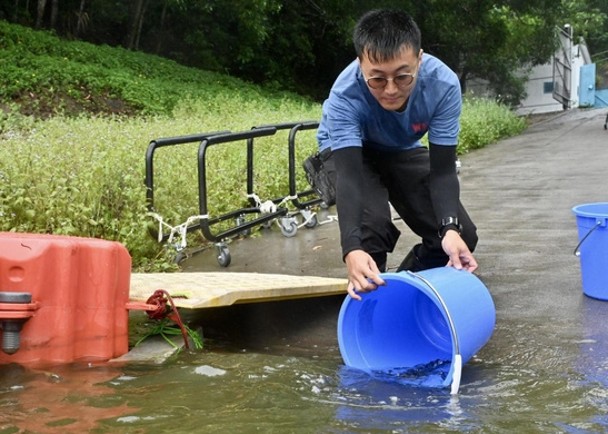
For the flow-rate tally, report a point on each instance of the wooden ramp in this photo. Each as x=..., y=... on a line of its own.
x=203, y=290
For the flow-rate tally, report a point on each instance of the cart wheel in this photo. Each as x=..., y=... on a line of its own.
x=312, y=222
x=289, y=230
x=324, y=205
x=223, y=256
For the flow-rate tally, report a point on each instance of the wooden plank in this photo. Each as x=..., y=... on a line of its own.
x=214, y=289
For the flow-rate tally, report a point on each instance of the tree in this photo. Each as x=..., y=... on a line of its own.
x=589, y=20
x=308, y=43
x=303, y=44
x=137, y=22
x=41, y=10
x=81, y=19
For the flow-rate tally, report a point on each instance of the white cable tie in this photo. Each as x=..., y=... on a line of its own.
x=285, y=199
x=268, y=207
x=160, y=232
x=307, y=219
x=171, y=234
x=159, y=238
x=182, y=229
x=330, y=218
x=193, y=218
x=161, y=222
x=256, y=198
x=183, y=233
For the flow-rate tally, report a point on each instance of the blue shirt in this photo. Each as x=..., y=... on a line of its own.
x=353, y=117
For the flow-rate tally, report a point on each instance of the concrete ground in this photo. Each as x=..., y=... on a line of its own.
x=520, y=193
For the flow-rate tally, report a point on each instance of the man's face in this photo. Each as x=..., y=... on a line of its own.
x=391, y=82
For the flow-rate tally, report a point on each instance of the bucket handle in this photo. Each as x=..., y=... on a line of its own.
x=577, y=252
x=458, y=357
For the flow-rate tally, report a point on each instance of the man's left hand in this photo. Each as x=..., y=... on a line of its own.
x=460, y=256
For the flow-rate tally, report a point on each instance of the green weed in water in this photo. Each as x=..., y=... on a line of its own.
x=166, y=328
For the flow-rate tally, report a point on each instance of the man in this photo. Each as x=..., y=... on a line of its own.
x=378, y=109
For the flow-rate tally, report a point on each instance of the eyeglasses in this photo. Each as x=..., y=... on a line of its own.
x=401, y=81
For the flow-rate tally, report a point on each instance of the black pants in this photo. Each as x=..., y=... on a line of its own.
x=402, y=179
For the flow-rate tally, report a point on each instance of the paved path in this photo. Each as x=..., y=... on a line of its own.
x=520, y=192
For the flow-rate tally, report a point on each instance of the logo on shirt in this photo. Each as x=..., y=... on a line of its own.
x=419, y=127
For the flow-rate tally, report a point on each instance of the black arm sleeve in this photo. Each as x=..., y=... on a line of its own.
x=349, y=187
x=444, y=185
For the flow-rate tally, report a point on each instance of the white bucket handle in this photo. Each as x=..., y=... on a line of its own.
x=457, y=363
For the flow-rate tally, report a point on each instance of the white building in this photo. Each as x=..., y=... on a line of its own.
x=555, y=85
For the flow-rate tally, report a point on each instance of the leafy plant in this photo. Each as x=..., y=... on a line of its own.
x=166, y=328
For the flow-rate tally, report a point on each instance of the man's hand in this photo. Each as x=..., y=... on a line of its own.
x=363, y=273
x=460, y=255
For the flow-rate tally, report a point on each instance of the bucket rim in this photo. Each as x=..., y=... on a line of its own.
x=583, y=210
x=418, y=282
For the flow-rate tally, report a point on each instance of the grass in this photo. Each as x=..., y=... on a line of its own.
x=76, y=121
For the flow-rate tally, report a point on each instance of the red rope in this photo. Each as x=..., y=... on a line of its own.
x=160, y=298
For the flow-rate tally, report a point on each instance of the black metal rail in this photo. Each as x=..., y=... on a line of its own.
x=315, y=200
x=150, y=152
x=240, y=226
x=243, y=221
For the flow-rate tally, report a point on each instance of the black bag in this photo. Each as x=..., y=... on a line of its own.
x=320, y=178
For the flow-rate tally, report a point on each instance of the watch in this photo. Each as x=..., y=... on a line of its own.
x=449, y=223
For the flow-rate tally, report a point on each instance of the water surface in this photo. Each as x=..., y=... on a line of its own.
x=276, y=367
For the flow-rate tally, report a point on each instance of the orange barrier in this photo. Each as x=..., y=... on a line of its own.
x=62, y=299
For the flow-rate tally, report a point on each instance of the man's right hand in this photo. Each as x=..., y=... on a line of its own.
x=363, y=273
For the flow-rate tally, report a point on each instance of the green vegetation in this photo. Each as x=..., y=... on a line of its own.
x=483, y=122
x=301, y=46
x=49, y=76
x=76, y=121
x=166, y=328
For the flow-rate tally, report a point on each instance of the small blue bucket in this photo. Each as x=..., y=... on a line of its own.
x=417, y=319
x=592, y=248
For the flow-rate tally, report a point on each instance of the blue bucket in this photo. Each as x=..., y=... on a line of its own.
x=441, y=315
x=592, y=249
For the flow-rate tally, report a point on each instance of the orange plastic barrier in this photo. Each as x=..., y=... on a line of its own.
x=62, y=299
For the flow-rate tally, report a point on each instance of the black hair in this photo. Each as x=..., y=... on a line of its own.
x=382, y=34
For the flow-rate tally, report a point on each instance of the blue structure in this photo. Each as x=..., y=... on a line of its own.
x=589, y=96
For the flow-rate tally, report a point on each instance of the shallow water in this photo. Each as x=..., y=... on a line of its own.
x=276, y=367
